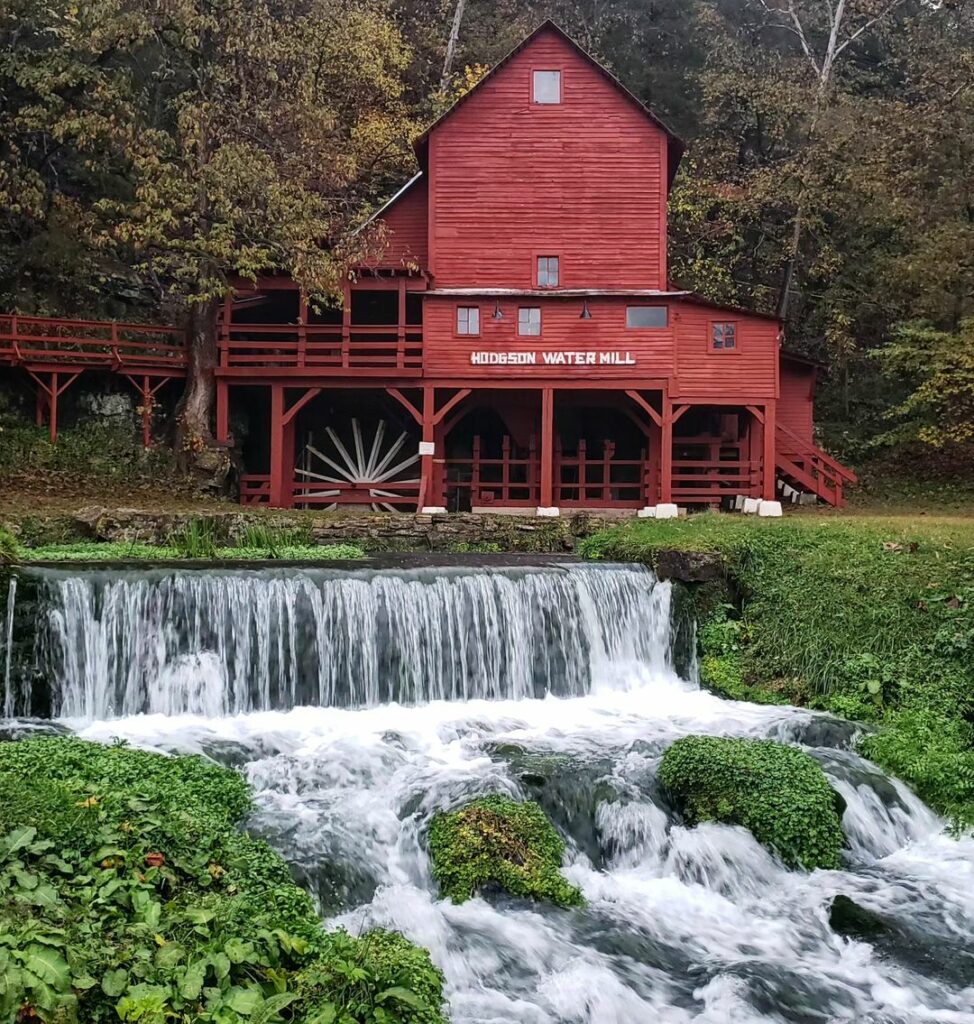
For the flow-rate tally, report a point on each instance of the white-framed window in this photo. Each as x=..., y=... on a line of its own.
x=468, y=319
x=529, y=320
x=546, y=87
x=646, y=316
x=548, y=271
x=723, y=335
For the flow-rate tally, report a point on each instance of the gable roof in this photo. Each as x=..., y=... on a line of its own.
x=675, y=144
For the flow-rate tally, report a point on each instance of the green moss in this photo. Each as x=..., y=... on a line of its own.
x=496, y=841
x=130, y=870
x=198, y=549
x=777, y=792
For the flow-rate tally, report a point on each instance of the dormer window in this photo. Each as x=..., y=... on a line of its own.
x=547, y=87
x=547, y=272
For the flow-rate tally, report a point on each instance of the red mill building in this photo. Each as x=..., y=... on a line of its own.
x=518, y=345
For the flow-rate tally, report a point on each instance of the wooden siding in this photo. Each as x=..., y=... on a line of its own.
x=795, y=406
x=449, y=355
x=406, y=223
x=583, y=180
x=749, y=372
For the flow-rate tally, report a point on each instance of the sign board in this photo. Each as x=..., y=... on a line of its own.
x=565, y=358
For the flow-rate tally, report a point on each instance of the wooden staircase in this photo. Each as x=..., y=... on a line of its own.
x=808, y=468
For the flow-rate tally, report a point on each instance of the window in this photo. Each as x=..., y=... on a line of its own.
x=468, y=319
x=547, y=87
x=547, y=271
x=723, y=336
x=646, y=316
x=529, y=320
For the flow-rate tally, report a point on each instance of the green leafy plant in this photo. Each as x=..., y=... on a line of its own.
x=497, y=841
x=197, y=539
x=777, y=792
x=127, y=892
x=9, y=548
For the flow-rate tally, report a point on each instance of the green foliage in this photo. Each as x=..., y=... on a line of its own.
x=128, y=893
x=497, y=841
x=862, y=617
x=125, y=551
x=777, y=792
x=938, y=367
x=93, y=454
x=197, y=539
x=9, y=548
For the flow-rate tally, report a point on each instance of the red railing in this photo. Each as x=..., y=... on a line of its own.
x=581, y=481
x=44, y=341
x=704, y=481
x=512, y=481
x=322, y=349
x=811, y=468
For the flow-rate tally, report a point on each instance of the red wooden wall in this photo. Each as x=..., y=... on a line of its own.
x=796, y=404
x=407, y=226
x=584, y=180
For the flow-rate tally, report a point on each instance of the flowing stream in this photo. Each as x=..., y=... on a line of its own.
x=358, y=704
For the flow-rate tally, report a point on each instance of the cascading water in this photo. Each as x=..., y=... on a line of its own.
x=680, y=925
x=120, y=643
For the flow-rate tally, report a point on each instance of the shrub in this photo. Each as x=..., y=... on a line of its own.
x=127, y=893
x=497, y=841
x=777, y=792
x=9, y=548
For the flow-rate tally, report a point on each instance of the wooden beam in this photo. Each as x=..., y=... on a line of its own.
x=756, y=412
x=679, y=411
x=406, y=404
x=666, y=454
x=769, y=452
x=452, y=403
x=547, y=446
x=646, y=407
x=310, y=394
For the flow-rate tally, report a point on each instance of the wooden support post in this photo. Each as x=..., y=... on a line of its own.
x=768, y=489
x=346, y=323
x=755, y=449
x=147, y=399
x=666, y=454
x=426, y=495
x=302, y=328
x=401, y=325
x=225, y=329
x=277, y=446
x=53, y=396
x=546, y=499
x=222, y=411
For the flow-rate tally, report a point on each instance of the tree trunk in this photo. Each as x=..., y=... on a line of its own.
x=451, y=45
x=194, y=432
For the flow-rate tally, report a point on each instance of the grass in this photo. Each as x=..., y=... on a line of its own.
x=871, y=617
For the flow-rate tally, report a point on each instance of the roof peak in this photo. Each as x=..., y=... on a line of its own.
x=676, y=145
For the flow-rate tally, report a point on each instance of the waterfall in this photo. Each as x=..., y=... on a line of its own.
x=9, y=705
x=226, y=642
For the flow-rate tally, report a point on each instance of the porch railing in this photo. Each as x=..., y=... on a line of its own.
x=323, y=349
x=702, y=481
x=582, y=480
x=511, y=481
x=46, y=341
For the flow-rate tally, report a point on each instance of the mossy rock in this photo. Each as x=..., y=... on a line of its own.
x=495, y=841
x=777, y=792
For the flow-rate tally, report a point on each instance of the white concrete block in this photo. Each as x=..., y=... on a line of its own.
x=549, y=512
x=667, y=511
x=769, y=509
x=647, y=512
x=427, y=447
x=750, y=506
x=433, y=510
x=808, y=498
x=738, y=502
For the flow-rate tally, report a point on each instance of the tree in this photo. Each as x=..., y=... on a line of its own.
x=263, y=127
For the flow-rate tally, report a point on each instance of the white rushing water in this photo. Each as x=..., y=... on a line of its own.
x=680, y=924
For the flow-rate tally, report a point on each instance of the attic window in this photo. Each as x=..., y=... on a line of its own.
x=723, y=336
x=547, y=272
x=547, y=87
